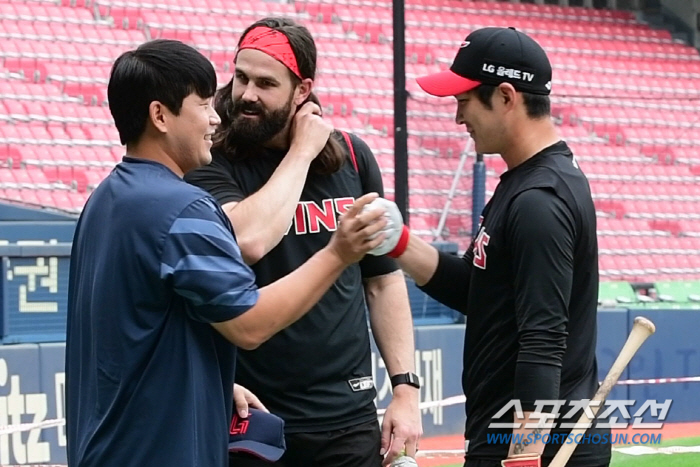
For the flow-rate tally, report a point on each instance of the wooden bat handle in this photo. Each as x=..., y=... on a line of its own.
x=641, y=330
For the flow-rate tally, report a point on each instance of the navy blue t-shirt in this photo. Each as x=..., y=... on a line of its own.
x=149, y=381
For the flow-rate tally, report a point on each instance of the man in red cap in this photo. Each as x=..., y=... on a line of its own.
x=529, y=281
x=283, y=204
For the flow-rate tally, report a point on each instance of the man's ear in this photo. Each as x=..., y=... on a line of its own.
x=158, y=116
x=507, y=94
x=303, y=91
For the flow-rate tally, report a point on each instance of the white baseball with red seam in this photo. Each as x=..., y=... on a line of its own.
x=404, y=461
x=393, y=228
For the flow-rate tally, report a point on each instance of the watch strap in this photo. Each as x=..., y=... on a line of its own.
x=411, y=379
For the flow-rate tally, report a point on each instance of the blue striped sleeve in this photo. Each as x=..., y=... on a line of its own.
x=203, y=263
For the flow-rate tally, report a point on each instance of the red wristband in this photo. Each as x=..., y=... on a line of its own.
x=402, y=244
x=523, y=460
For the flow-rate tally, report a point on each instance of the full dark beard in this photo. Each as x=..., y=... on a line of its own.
x=250, y=131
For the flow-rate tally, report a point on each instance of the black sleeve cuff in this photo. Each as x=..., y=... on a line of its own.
x=373, y=266
x=450, y=283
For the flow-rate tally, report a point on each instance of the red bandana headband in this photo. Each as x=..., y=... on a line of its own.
x=273, y=43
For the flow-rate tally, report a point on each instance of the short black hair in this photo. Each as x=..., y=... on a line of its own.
x=161, y=70
x=536, y=105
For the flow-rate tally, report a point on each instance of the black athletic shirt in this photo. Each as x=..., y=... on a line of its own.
x=529, y=287
x=305, y=373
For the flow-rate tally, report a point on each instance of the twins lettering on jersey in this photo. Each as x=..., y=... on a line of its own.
x=480, y=243
x=310, y=217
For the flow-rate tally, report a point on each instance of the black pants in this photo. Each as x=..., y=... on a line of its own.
x=356, y=446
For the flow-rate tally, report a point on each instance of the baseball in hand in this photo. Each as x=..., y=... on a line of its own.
x=404, y=461
x=394, y=225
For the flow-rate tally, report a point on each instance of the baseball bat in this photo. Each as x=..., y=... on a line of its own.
x=641, y=330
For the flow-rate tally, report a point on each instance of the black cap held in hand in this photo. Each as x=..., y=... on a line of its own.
x=494, y=56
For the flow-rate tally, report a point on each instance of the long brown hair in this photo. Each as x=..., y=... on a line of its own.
x=333, y=155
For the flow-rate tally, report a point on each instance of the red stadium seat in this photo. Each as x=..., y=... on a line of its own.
x=624, y=94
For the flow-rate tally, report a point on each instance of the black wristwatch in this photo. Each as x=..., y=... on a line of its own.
x=411, y=379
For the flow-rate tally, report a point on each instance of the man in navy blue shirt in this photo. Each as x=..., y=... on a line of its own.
x=158, y=289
